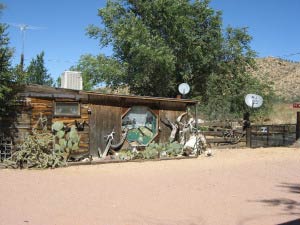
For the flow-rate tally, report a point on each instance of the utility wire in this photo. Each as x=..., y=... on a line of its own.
x=289, y=55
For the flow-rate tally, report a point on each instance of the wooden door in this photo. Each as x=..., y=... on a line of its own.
x=103, y=120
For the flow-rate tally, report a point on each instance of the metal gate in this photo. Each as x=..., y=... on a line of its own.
x=272, y=135
x=6, y=147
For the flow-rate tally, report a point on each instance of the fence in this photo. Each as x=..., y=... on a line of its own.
x=271, y=135
x=221, y=133
x=6, y=147
x=256, y=136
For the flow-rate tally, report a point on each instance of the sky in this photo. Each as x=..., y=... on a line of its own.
x=60, y=28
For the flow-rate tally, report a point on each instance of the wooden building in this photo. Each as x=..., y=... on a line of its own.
x=103, y=113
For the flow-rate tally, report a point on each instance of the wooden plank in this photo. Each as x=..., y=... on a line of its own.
x=37, y=114
x=125, y=110
x=40, y=100
x=102, y=121
x=43, y=103
x=221, y=140
x=66, y=120
x=84, y=145
x=51, y=96
x=213, y=133
x=41, y=107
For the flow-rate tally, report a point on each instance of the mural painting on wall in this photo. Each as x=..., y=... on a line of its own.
x=141, y=124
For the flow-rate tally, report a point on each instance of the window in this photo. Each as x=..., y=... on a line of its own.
x=141, y=123
x=67, y=109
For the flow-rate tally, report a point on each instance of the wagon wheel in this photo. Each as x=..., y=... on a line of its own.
x=227, y=135
x=236, y=137
x=233, y=137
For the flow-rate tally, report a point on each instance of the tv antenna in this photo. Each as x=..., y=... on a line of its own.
x=23, y=28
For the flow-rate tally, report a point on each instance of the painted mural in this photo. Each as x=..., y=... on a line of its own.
x=141, y=124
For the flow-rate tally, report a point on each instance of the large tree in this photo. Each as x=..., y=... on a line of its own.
x=161, y=44
x=164, y=43
x=100, y=69
x=7, y=79
x=37, y=73
x=231, y=80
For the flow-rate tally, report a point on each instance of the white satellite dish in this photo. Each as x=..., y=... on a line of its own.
x=253, y=100
x=184, y=88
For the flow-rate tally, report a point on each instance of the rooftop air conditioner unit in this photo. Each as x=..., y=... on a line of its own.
x=71, y=80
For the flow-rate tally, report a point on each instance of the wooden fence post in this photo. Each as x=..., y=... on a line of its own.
x=248, y=137
x=298, y=126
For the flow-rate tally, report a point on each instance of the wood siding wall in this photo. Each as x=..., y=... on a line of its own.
x=45, y=107
x=105, y=117
x=18, y=124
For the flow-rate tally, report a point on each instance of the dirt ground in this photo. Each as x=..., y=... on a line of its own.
x=241, y=186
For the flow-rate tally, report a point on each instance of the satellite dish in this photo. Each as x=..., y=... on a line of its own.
x=253, y=100
x=184, y=88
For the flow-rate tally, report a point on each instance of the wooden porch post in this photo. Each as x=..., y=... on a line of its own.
x=298, y=126
x=248, y=137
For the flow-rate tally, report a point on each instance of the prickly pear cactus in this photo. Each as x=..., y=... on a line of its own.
x=57, y=126
x=43, y=149
x=37, y=151
x=60, y=134
x=65, y=142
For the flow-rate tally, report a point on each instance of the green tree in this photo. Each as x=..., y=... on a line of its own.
x=20, y=74
x=7, y=93
x=100, y=69
x=161, y=44
x=37, y=72
x=231, y=81
x=58, y=82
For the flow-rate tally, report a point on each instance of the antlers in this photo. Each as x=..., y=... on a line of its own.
x=80, y=125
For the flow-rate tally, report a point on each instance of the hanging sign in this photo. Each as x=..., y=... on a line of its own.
x=296, y=105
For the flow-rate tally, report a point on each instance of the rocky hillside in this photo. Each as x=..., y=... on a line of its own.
x=282, y=74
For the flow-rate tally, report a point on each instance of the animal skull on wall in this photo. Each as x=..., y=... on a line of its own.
x=80, y=125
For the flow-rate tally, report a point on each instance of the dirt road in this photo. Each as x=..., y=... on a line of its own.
x=241, y=186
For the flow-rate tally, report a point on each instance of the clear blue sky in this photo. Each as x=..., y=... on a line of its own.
x=273, y=24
